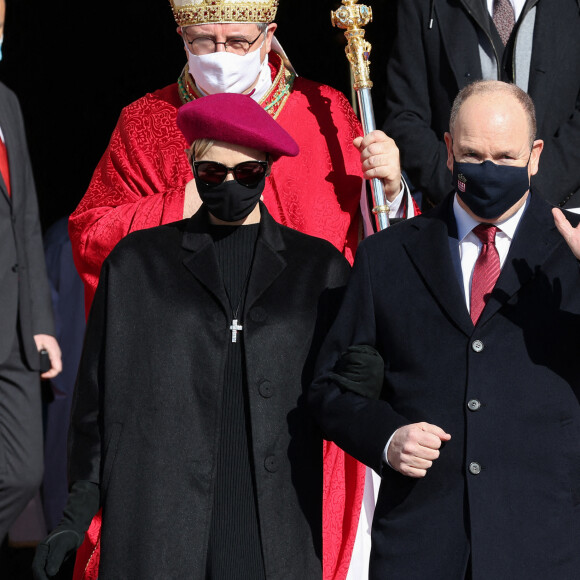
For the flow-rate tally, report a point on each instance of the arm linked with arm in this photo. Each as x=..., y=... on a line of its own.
x=359, y=425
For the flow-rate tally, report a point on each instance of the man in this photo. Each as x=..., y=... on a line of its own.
x=443, y=45
x=26, y=323
x=143, y=180
x=476, y=426
x=229, y=48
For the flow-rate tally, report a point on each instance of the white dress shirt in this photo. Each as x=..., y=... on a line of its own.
x=470, y=244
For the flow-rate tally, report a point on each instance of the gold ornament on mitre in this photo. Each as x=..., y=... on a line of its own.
x=191, y=12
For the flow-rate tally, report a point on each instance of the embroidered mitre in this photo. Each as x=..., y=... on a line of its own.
x=190, y=12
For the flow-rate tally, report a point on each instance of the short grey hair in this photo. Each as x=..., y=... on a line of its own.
x=495, y=87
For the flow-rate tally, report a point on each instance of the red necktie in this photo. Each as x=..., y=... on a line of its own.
x=4, y=168
x=486, y=271
x=504, y=18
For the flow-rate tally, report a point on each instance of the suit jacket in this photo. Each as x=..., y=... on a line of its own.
x=506, y=487
x=429, y=65
x=24, y=290
x=147, y=407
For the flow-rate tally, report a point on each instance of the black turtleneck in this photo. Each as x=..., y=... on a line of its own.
x=235, y=551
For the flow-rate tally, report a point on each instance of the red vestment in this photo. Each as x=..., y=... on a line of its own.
x=140, y=183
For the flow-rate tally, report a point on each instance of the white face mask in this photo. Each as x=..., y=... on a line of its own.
x=224, y=72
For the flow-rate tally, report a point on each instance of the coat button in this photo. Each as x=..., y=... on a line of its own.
x=265, y=389
x=477, y=345
x=271, y=463
x=474, y=405
x=258, y=314
x=474, y=468
x=15, y=268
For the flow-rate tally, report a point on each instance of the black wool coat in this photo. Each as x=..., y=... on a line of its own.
x=146, y=413
x=505, y=490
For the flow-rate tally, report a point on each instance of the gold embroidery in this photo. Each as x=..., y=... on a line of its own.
x=189, y=13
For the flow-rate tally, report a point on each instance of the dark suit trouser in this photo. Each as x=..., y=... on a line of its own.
x=20, y=437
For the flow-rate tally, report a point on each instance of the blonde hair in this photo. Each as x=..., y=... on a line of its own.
x=199, y=148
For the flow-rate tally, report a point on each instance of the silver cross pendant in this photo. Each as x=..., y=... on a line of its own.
x=235, y=327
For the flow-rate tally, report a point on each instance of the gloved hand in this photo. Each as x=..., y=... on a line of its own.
x=82, y=504
x=360, y=369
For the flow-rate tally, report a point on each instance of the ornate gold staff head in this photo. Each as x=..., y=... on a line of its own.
x=352, y=17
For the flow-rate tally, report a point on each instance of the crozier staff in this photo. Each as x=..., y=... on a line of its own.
x=188, y=426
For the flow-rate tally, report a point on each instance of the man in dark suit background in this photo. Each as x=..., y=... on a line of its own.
x=476, y=432
x=443, y=45
x=26, y=322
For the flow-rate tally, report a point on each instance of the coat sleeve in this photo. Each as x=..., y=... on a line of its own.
x=139, y=183
x=409, y=113
x=360, y=426
x=41, y=305
x=84, y=441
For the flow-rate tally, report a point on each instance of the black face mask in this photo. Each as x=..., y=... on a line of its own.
x=229, y=201
x=487, y=189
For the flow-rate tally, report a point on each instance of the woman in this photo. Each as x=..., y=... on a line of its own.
x=188, y=426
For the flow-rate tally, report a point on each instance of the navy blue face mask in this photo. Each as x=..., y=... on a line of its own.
x=487, y=189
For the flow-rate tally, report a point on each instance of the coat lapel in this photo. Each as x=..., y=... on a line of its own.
x=535, y=240
x=460, y=38
x=202, y=263
x=201, y=260
x=268, y=262
x=430, y=252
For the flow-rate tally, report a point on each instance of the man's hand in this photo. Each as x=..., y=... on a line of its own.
x=380, y=159
x=570, y=234
x=414, y=447
x=45, y=341
x=192, y=201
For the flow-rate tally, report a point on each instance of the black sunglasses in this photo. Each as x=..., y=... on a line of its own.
x=247, y=173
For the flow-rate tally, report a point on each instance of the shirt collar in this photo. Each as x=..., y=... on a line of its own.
x=465, y=223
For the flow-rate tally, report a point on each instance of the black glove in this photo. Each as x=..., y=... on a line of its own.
x=360, y=369
x=82, y=504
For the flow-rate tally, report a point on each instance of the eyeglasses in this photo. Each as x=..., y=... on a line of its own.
x=247, y=173
x=206, y=44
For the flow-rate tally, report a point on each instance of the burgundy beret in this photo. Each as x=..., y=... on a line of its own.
x=237, y=119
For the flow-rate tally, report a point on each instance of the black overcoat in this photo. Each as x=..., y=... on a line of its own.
x=506, y=487
x=146, y=414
